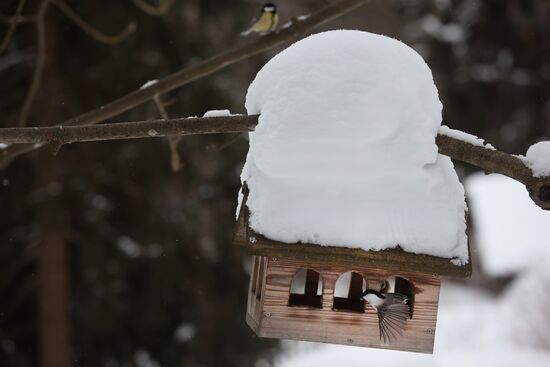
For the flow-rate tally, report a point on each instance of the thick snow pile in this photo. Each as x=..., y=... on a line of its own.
x=538, y=158
x=344, y=152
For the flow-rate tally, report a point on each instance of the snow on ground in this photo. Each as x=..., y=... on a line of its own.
x=344, y=152
x=461, y=135
x=332, y=355
x=538, y=158
x=474, y=328
x=511, y=231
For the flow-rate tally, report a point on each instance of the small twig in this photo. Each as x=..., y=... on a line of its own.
x=39, y=63
x=17, y=19
x=490, y=160
x=91, y=31
x=185, y=76
x=41, y=49
x=11, y=27
x=175, y=159
x=229, y=142
x=161, y=9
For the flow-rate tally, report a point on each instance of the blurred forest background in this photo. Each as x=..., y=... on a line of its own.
x=141, y=255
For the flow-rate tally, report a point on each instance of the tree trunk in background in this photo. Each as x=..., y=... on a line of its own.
x=53, y=300
x=53, y=258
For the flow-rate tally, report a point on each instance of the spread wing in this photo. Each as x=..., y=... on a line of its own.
x=392, y=316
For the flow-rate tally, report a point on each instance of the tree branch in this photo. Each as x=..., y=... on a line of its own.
x=489, y=160
x=175, y=159
x=127, y=130
x=495, y=161
x=12, y=25
x=17, y=19
x=207, y=67
x=91, y=31
x=161, y=9
x=39, y=63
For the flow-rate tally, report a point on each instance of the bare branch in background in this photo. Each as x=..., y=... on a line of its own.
x=219, y=147
x=162, y=8
x=11, y=28
x=175, y=159
x=39, y=63
x=41, y=47
x=17, y=19
x=489, y=160
x=209, y=66
x=91, y=31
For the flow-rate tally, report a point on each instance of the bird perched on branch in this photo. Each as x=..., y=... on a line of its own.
x=266, y=22
x=393, y=311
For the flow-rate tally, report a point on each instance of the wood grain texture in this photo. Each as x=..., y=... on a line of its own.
x=393, y=259
x=271, y=316
x=256, y=292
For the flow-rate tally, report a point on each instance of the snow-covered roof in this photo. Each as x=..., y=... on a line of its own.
x=344, y=152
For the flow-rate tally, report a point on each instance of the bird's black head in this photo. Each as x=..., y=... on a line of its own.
x=372, y=291
x=269, y=8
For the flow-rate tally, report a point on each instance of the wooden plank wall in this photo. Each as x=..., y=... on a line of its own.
x=256, y=291
x=270, y=316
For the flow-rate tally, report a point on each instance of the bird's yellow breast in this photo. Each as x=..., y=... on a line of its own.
x=267, y=23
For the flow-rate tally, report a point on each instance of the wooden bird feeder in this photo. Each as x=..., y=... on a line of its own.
x=295, y=291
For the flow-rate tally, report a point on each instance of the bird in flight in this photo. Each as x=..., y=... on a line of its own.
x=393, y=311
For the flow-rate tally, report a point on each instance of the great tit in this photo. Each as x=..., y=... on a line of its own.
x=266, y=22
x=393, y=311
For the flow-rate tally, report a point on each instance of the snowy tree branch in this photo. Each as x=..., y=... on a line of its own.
x=488, y=159
x=127, y=130
x=139, y=96
x=494, y=161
